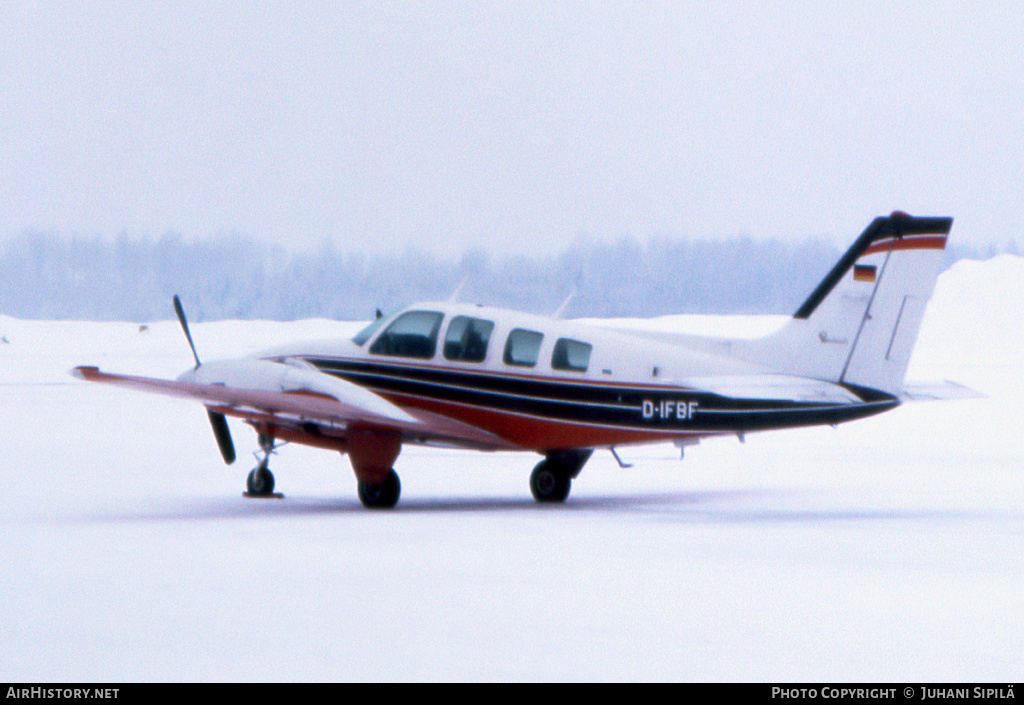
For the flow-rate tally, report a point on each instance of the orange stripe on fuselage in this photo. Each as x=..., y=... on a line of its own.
x=533, y=432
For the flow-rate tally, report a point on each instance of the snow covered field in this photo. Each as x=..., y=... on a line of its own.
x=887, y=549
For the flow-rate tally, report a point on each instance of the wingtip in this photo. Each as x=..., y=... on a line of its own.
x=84, y=372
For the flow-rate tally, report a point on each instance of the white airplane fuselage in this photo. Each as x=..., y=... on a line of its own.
x=630, y=388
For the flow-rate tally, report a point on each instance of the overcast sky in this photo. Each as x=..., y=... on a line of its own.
x=510, y=127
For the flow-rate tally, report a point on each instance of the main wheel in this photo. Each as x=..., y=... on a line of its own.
x=549, y=482
x=381, y=495
x=260, y=482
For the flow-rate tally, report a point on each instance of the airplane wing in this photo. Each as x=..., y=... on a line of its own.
x=293, y=395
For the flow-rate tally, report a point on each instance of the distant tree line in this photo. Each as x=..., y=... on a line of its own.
x=44, y=275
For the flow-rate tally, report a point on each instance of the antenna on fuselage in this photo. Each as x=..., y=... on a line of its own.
x=458, y=290
x=561, y=309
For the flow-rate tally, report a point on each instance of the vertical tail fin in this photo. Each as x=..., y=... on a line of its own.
x=860, y=324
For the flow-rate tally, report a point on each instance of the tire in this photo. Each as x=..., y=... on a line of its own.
x=549, y=483
x=260, y=482
x=383, y=495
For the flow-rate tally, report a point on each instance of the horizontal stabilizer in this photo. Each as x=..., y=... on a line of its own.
x=938, y=391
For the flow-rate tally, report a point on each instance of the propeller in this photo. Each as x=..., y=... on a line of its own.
x=217, y=420
x=184, y=326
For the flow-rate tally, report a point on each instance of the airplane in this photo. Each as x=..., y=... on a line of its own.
x=465, y=376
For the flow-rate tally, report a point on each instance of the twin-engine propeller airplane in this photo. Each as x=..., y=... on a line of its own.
x=459, y=375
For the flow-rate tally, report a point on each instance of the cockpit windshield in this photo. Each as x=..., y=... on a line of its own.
x=367, y=332
x=413, y=334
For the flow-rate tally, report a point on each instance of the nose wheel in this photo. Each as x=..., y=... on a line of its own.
x=260, y=482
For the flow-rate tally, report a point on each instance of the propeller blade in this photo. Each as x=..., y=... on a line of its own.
x=223, y=436
x=184, y=326
x=217, y=421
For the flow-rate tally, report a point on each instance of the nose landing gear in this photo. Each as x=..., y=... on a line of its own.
x=260, y=482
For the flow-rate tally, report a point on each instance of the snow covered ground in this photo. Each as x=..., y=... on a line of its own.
x=887, y=549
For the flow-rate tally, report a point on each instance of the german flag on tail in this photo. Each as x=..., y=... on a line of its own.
x=864, y=273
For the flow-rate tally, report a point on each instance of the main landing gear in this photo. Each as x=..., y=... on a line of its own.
x=381, y=495
x=552, y=479
x=373, y=454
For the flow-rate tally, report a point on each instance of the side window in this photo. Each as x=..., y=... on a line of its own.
x=571, y=355
x=467, y=338
x=523, y=347
x=413, y=334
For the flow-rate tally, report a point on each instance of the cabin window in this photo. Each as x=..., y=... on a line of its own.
x=413, y=334
x=523, y=347
x=467, y=339
x=571, y=355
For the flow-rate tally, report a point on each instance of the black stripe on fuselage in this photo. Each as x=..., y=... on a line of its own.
x=637, y=407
